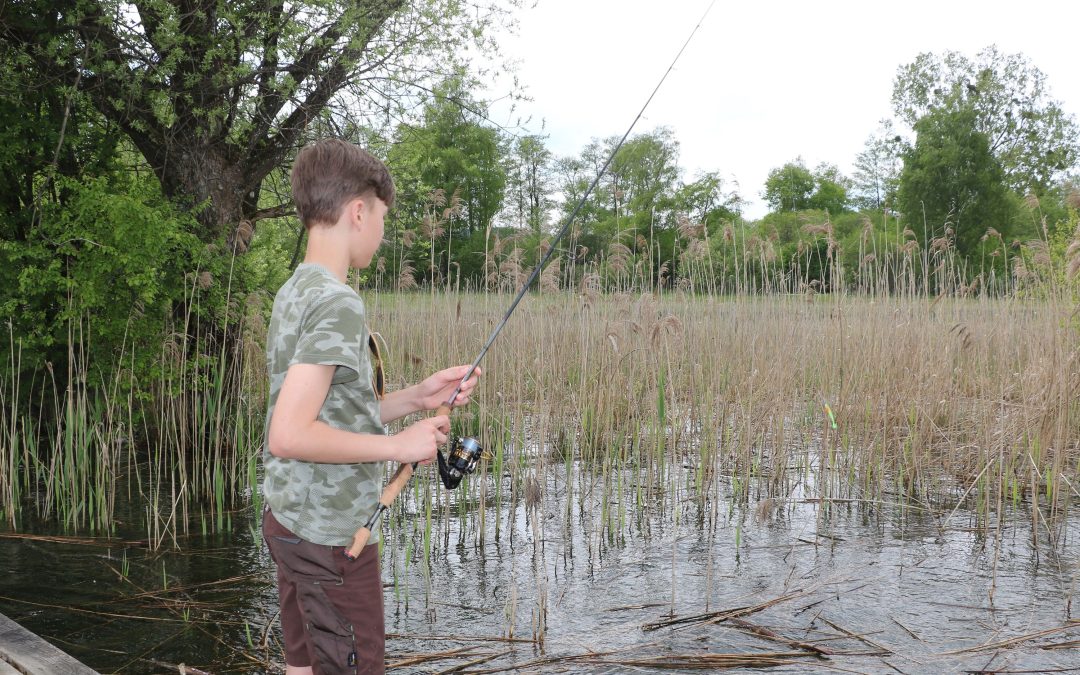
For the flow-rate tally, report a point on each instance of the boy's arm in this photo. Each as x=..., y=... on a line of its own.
x=296, y=432
x=397, y=404
x=429, y=394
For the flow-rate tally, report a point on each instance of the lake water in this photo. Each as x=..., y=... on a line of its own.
x=559, y=578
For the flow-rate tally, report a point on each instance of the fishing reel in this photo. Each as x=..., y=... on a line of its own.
x=464, y=455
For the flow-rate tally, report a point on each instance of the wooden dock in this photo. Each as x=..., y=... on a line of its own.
x=23, y=653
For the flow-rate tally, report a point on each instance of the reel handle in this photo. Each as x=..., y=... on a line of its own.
x=389, y=494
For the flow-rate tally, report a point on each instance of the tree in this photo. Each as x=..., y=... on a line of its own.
x=1027, y=132
x=788, y=188
x=645, y=173
x=952, y=181
x=529, y=183
x=706, y=200
x=877, y=169
x=458, y=154
x=830, y=189
x=793, y=187
x=632, y=207
x=451, y=179
x=216, y=94
x=634, y=195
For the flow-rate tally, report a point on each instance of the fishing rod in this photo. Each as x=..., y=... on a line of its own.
x=465, y=453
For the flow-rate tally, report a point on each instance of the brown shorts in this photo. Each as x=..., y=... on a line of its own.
x=331, y=607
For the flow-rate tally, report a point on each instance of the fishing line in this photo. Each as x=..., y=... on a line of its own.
x=569, y=220
x=465, y=453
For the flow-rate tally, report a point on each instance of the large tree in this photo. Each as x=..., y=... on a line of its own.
x=529, y=182
x=645, y=174
x=952, y=185
x=217, y=93
x=708, y=201
x=789, y=187
x=451, y=179
x=793, y=187
x=1033, y=140
x=453, y=150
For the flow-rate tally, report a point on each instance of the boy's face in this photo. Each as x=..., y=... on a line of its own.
x=368, y=233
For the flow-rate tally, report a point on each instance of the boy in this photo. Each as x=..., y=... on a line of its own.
x=325, y=439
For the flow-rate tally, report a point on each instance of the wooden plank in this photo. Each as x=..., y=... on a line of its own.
x=25, y=653
x=8, y=669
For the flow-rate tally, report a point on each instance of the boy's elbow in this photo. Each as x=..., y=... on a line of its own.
x=280, y=443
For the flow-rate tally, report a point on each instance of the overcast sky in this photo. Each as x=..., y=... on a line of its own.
x=762, y=82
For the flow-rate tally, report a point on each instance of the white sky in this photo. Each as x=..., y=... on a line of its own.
x=762, y=82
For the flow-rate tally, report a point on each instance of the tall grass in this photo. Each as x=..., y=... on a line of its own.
x=182, y=444
x=949, y=386
x=935, y=400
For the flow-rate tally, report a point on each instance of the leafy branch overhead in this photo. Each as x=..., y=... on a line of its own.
x=216, y=94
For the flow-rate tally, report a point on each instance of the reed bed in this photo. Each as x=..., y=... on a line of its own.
x=181, y=448
x=910, y=379
x=938, y=401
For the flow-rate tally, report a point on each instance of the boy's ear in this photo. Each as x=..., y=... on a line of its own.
x=356, y=210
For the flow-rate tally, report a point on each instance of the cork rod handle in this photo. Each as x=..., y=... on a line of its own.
x=390, y=492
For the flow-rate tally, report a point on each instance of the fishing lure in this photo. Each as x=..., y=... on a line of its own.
x=828, y=412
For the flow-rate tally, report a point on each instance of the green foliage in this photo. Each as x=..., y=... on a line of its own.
x=643, y=177
x=789, y=187
x=793, y=187
x=112, y=262
x=529, y=183
x=1007, y=99
x=952, y=186
x=830, y=190
x=450, y=172
x=218, y=95
x=641, y=219
x=707, y=201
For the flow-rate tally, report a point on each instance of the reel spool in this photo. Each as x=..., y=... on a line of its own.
x=464, y=456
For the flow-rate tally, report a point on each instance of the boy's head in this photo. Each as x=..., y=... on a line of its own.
x=330, y=173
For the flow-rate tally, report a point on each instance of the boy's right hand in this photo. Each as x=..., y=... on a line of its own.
x=419, y=441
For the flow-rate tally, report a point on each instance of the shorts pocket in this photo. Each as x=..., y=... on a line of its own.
x=335, y=654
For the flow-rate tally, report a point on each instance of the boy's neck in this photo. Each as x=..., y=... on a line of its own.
x=329, y=248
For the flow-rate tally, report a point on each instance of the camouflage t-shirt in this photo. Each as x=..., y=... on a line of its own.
x=319, y=320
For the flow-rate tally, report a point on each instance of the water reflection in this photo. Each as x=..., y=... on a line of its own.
x=879, y=586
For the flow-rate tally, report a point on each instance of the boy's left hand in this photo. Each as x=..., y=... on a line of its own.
x=437, y=388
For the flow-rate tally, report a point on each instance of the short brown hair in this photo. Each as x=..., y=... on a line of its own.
x=330, y=172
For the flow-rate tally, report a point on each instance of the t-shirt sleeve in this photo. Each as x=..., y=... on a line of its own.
x=330, y=334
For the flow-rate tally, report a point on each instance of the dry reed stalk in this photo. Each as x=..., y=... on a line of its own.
x=187, y=588
x=77, y=541
x=880, y=649
x=1012, y=642
x=1071, y=644
x=713, y=661
x=427, y=658
x=458, y=638
x=907, y=630
x=178, y=667
x=535, y=663
x=724, y=615
x=475, y=662
x=768, y=634
x=81, y=610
